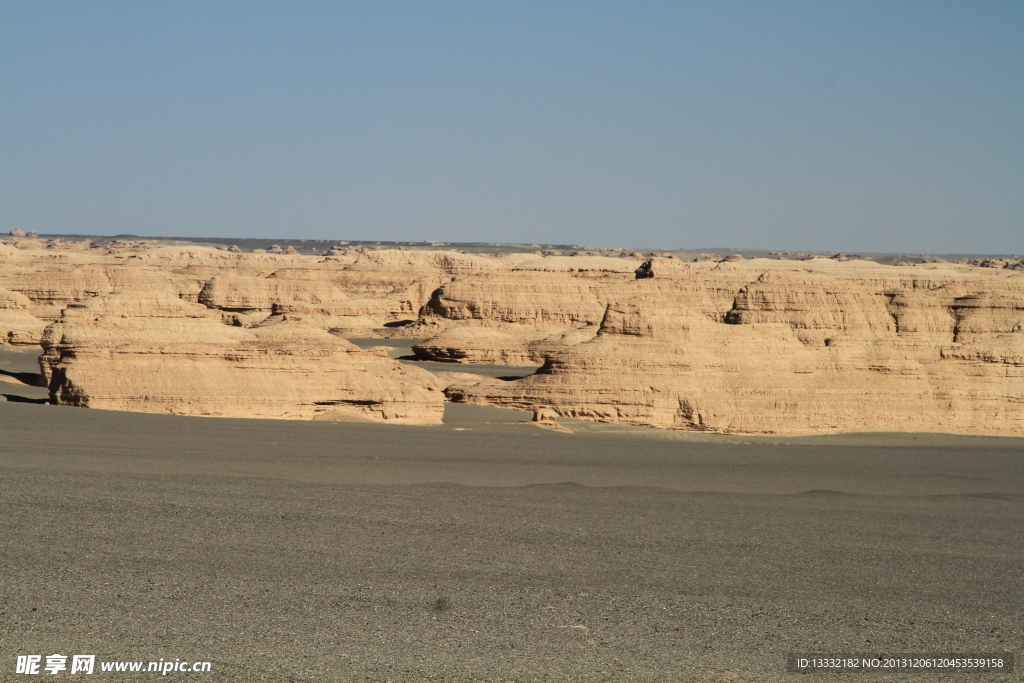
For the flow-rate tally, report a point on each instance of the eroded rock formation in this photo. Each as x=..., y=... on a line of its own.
x=153, y=352
x=17, y=325
x=722, y=344
x=821, y=347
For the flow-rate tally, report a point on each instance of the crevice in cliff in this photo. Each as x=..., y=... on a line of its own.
x=734, y=315
x=891, y=296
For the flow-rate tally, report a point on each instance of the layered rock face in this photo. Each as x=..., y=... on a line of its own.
x=203, y=331
x=17, y=325
x=751, y=346
x=803, y=348
x=539, y=307
x=153, y=352
x=374, y=293
x=479, y=344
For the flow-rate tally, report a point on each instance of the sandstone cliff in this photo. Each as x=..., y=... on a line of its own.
x=734, y=345
x=817, y=347
x=153, y=352
x=523, y=316
x=17, y=325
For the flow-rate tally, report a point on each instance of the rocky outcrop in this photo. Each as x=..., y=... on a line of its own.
x=17, y=325
x=255, y=294
x=531, y=299
x=52, y=288
x=525, y=316
x=519, y=317
x=812, y=348
x=727, y=345
x=52, y=283
x=153, y=352
x=479, y=344
x=362, y=292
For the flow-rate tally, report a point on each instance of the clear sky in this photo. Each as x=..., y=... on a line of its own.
x=854, y=126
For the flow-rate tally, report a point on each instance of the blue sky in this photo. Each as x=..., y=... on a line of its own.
x=850, y=126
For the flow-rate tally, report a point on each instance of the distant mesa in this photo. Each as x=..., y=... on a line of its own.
x=710, y=340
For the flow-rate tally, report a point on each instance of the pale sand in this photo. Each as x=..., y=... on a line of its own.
x=491, y=549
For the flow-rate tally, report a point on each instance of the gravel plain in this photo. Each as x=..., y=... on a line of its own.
x=489, y=549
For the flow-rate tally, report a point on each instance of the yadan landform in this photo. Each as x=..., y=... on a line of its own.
x=729, y=345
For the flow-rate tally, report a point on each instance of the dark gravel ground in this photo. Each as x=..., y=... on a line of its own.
x=293, y=551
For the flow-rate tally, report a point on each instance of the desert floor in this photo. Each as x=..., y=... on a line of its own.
x=489, y=549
